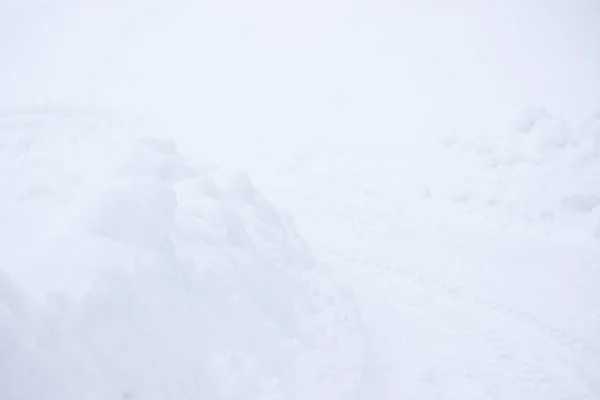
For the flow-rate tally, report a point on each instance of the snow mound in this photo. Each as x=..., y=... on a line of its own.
x=145, y=276
x=541, y=131
x=539, y=176
x=536, y=177
x=593, y=131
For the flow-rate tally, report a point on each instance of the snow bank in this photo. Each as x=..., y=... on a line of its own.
x=537, y=176
x=593, y=129
x=559, y=166
x=130, y=272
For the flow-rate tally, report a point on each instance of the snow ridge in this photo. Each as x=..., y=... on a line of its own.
x=164, y=280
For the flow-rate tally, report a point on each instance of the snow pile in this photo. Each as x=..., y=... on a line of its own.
x=593, y=131
x=539, y=132
x=538, y=177
x=554, y=165
x=129, y=272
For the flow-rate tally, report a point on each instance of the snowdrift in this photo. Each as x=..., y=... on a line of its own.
x=546, y=170
x=536, y=176
x=130, y=272
x=540, y=175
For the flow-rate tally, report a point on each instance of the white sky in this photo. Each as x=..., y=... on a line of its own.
x=361, y=66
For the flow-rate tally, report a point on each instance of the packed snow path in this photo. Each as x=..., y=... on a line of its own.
x=433, y=327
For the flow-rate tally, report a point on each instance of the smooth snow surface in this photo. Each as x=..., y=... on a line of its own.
x=441, y=165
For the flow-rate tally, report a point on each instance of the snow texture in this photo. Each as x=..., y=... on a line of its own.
x=128, y=272
x=441, y=164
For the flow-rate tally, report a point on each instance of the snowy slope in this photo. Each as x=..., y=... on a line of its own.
x=129, y=272
x=440, y=162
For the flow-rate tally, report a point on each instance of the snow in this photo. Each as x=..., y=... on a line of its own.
x=133, y=273
x=310, y=200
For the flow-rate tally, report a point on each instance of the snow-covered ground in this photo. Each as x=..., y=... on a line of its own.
x=309, y=200
x=130, y=272
x=474, y=263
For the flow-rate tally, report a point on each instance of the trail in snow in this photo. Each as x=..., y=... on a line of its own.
x=459, y=299
x=450, y=315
